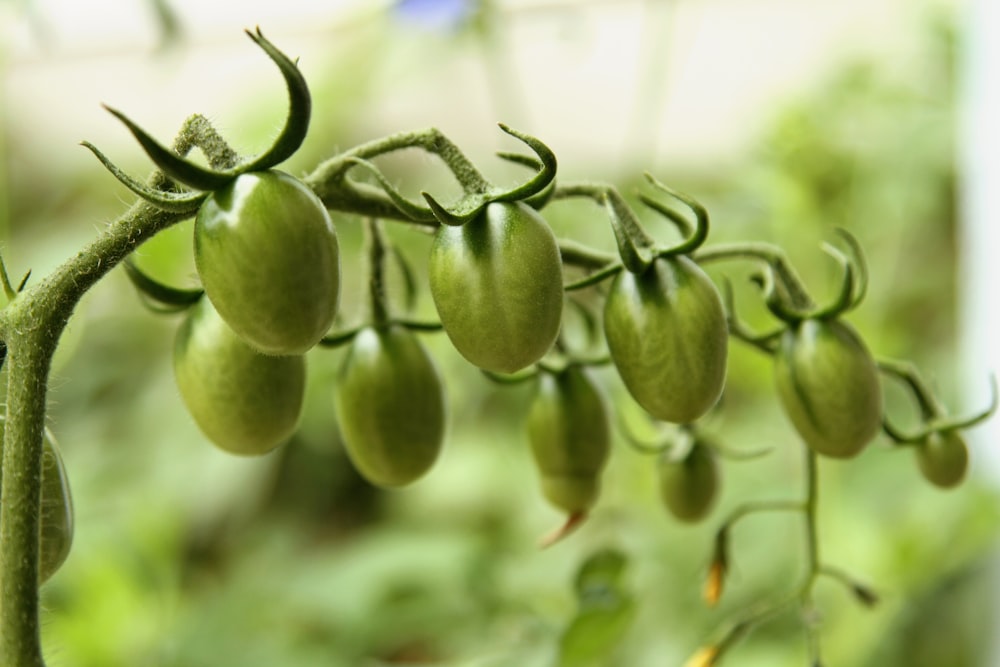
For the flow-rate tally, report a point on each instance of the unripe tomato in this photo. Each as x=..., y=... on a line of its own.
x=267, y=254
x=668, y=338
x=55, y=531
x=243, y=401
x=497, y=286
x=829, y=386
x=570, y=438
x=689, y=487
x=943, y=458
x=390, y=405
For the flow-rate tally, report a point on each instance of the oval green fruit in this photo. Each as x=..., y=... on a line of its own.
x=667, y=334
x=943, y=458
x=829, y=386
x=245, y=402
x=570, y=438
x=690, y=487
x=390, y=405
x=267, y=255
x=55, y=531
x=497, y=285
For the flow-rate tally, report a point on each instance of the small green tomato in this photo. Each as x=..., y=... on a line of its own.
x=943, y=458
x=245, y=402
x=497, y=286
x=690, y=487
x=267, y=255
x=667, y=334
x=55, y=531
x=829, y=386
x=570, y=438
x=390, y=405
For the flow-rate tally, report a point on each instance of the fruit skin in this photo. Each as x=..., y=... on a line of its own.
x=497, y=285
x=690, y=487
x=829, y=386
x=56, y=519
x=570, y=438
x=667, y=334
x=943, y=458
x=268, y=257
x=245, y=402
x=390, y=405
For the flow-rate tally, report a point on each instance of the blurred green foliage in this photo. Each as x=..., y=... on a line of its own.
x=185, y=556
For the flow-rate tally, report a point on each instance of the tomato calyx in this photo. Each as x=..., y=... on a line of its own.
x=478, y=192
x=204, y=180
x=157, y=296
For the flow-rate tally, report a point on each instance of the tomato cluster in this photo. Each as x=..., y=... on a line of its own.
x=268, y=258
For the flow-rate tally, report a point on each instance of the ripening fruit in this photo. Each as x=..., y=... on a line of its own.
x=690, y=487
x=829, y=386
x=570, y=438
x=497, y=286
x=390, y=406
x=55, y=531
x=668, y=338
x=267, y=255
x=243, y=401
x=943, y=458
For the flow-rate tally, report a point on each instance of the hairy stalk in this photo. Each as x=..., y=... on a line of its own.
x=30, y=327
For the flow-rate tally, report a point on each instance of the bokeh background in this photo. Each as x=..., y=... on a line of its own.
x=786, y=118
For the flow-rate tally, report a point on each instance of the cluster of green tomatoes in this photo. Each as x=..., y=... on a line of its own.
x=267, y=255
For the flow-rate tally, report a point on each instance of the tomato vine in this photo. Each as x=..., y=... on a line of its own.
x=497, y=278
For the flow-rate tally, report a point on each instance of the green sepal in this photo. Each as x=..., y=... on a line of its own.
x=175, y=202
x=299, y=109
x=541, y=199
x=695, y=238
x=635, y=247
x=288, y=141
x=340, y=337
x=173, y=165
x=738, y=329
x=406, y=206
x=942, y=424
x=845, y=299
x=542, y=179
x=157, y=296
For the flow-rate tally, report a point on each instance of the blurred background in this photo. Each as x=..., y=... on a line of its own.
x=787, y=119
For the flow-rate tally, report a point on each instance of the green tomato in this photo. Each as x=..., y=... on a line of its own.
x=690, y=487
x=570, y=438
x=55, y=531
x=667, y=334
x=390, y=405
x=829, y=386
x=245, y=402
x=943, y=458
x=267, y=254
x=497, y=286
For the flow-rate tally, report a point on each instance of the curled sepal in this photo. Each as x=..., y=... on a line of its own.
x=940, y=423
x=777, y=300
x=174, y=202
x=472, y=203
x=856, y=256
x=697, y=236
x=635, y=247
x=287, y=142
x=299, y=109
x=542, y=179
x=542, y=198
x=845, y=299
x=738, y=329
x=157, y=296
x=409, y=208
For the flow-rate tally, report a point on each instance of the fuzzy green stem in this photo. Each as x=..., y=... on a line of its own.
x=31, y=326
x=376, y=273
